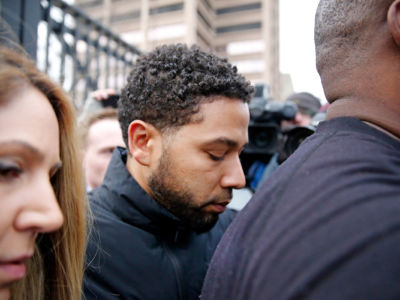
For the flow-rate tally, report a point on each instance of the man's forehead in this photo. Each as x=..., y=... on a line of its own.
x=209, y=101
x=222, y=121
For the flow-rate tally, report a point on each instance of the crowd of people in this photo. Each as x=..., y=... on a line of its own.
x=132, y=204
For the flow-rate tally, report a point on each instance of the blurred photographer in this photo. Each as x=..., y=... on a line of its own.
x=294, y=128
x=308, y=105
x=98, y=100
x=100, y=134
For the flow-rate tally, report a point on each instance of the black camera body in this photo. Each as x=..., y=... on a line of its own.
x=266, y=136
x=111, y=101
x=265, y=124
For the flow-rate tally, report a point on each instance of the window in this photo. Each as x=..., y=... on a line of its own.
x=233, y=9
x=90, y=4
x=166, y=8
x=125, y=17
x=241, y=27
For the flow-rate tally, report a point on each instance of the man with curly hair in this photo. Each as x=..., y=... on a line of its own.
x=161, y=209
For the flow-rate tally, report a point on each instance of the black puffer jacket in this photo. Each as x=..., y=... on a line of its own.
x=139, y=250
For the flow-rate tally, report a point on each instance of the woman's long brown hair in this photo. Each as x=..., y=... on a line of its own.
x=56, y=270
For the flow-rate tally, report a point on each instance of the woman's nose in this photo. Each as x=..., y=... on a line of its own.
x=40, y=212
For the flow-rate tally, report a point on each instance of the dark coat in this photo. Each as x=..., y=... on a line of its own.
x=139, y=250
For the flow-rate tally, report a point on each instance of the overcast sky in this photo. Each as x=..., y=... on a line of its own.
x=297, y=54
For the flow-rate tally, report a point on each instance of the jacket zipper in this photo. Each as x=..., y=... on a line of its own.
x=177, y=268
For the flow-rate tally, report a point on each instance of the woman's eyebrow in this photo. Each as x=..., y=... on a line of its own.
x=32, y=151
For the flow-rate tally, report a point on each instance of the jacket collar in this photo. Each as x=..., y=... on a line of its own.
x=132, y=204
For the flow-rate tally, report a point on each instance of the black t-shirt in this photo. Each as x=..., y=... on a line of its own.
x=326, y=225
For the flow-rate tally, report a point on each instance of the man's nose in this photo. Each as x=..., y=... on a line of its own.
x=233, y=175
x=41, y=211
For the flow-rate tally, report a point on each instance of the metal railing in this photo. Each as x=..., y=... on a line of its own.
x=81, y=52
x=75, y=50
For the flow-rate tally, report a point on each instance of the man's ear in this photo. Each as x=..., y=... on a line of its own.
x=393, y=18
x=140, y=140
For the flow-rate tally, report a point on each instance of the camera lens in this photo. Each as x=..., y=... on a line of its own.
x=264, y=138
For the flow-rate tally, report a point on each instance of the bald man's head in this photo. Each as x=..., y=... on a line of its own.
x=343, y=30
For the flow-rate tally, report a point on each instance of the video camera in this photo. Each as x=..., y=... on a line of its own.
x=266, y=136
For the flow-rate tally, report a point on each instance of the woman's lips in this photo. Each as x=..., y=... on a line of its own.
x=14, y=269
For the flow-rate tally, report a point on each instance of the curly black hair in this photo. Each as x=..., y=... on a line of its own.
x=167, y=86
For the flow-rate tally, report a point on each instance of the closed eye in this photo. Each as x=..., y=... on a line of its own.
x=216, y=158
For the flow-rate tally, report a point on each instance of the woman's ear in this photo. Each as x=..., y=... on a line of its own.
x=140, y=140
x=393, y=17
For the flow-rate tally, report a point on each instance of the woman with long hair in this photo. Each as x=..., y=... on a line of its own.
x=42, y=193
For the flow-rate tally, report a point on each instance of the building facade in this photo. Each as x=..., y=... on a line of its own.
x=244, y=31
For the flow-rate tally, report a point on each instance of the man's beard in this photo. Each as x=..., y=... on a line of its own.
x=179, y=200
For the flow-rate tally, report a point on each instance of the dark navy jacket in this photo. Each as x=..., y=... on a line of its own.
x=138, y=249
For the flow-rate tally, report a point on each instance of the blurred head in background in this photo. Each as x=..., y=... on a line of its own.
x=308, y=105
x=100, y=135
